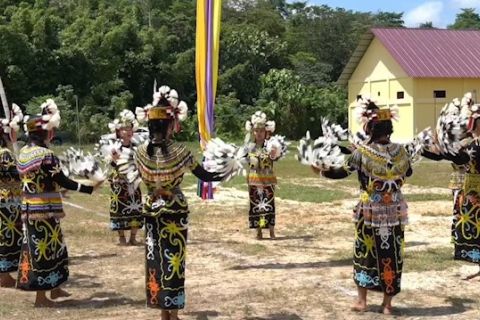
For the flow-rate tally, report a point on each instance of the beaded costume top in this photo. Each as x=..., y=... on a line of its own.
x=36, y=166
x=165, y=170
x=10, y=186
x=260, y=167
x=382, y=169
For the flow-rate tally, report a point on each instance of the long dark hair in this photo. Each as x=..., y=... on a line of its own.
x=4, y=140
x=158, y=126
x=380, y=129
x=38, y=138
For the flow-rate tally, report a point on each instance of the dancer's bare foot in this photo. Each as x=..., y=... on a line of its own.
x=165, y=315
x=470, y=277
x=272, y=232
x=7, y=281
x=174, y=315
x=259, y=234
x=59, y=293
x=387, y=310
x=133, y=242
x=359, y=306
x=122, y=241
x=41, y=301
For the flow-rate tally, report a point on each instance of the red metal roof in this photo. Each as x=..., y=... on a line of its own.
x=435, y=53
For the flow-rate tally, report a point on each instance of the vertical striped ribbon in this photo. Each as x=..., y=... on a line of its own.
x=206, y=74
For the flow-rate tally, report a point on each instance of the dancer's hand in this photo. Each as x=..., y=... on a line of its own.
x=115, y=156
x=162, y=193
x=315, y=169
x=97, y=185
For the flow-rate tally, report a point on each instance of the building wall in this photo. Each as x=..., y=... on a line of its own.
x=427, y=108
x=379, y=76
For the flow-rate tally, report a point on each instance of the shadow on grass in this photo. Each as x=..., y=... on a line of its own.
x=304, y=238
x=305, y=265
x=277, y=316
x=203, y=315
x=82, y=281
x=74, y=260
x=410, y=244
x=99, y=300
x=457, y=306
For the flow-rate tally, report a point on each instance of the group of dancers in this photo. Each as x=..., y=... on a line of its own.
x=32, y=183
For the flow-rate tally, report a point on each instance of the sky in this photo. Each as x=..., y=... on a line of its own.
x=440, y=12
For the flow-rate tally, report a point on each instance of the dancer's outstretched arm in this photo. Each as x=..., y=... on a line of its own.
x=203, y=174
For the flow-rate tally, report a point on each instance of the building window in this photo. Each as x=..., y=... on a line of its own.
x=400, y=95
x=379, y=93
x=439, y=94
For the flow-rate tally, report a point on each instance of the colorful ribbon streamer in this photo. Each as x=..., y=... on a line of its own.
x=206, y=72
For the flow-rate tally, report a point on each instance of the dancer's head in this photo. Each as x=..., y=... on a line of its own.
x=164, y=116
x=262, y=129
x=40, y=128
x=377, y=123
x=124, y=126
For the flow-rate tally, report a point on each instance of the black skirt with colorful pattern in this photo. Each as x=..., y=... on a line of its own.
x=10, y=235
x=378, y=257
x=125, y=205
x=44, y=256
x=262, y=206
x=166, y=228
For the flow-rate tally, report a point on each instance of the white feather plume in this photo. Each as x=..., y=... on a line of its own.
x=226, y=159
x=83, y=165
x=278, y=145
x=322, y=153
x=422, y=141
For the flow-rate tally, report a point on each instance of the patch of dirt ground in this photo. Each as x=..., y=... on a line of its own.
x=305, y=274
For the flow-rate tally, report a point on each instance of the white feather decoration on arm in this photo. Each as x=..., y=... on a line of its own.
x=126, y=165
x=226, y=159
x=421, y=142
x=322, y=153
x=86, y=166
x=278, y=145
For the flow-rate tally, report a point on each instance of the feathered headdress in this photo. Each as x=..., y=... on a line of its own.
x=469, y=111
x=11, y=125
x=366, y=111
x=126, y=119
x=48, y=119
x=165, y=106
x=259, y=120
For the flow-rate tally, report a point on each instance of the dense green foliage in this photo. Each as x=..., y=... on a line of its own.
x=280, y=57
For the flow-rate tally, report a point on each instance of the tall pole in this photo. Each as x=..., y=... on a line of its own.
x=3, y=97
x=6, y=110
x=78, y=121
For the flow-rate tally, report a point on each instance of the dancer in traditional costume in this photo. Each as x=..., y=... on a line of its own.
x=44, y=259
x=161, y=164
x=125, y=197
x=10, y=200
x=260, y=176
x=381, y=214
x=452, y=136
x=466, y=234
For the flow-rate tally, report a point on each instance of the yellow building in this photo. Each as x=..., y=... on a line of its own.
x=419, y=70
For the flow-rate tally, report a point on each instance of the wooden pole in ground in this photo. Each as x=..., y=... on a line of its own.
x=6, y=109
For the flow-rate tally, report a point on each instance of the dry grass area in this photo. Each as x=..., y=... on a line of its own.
x=304, y=274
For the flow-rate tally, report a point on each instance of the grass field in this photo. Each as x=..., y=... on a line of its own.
x=304, y=274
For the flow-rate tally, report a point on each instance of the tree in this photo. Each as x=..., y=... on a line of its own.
x=467, y=19
x=389, y=19
x=427, y=25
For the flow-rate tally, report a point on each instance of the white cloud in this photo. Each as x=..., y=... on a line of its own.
x=466, y=3
x=428, y=11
